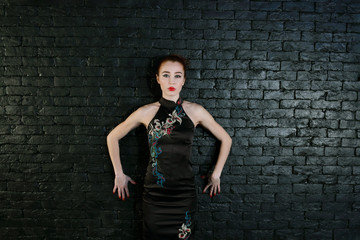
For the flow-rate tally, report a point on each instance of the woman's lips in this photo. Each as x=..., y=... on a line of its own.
x=171, y=89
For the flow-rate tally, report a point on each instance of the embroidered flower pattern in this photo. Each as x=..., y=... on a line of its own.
x=185, y=230
x=157, y=130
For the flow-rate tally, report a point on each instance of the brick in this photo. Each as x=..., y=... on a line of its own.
x=267, y=65
x=261, y=141
x=319, y=57
x=307, y=188
x=226, y=54
x=330, y=47
x=262, y=123
x=334, y=95
x=330, y=27
x=309, y=151
x=299, y=85
x=235, y=25
x=299, y=26
x=232, y=64
x=295, y=66
x=302, y=104
x=314, y=95
x=201, y=24
x=278, y=113
x=258, y=160
x=266, y=45
x=285, y=16
x=247, y=94
x=299, y=113
x=276, y=170
x=333, y=105
x=342, y=133
x=294, y=141
x=223, y=34
x=324, y=179
x=283, y=56
x=279, y=95
x=249, y=55
x=299, y=6
x=280, y=132
x=339, y=151
x=324, y=85
x=218, y=15
x=298, y=46
x=217, y=74
x=311, y=17
x=263, y=104
x=334, y=142
x=265, y=6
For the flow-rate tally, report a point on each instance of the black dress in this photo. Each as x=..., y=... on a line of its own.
x=169, y=197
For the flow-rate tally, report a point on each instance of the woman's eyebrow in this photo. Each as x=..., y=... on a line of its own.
x=169, y=72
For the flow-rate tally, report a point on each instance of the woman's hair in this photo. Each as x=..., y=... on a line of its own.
x=173, y=58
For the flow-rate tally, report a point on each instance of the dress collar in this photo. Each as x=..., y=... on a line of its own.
x=169, y=103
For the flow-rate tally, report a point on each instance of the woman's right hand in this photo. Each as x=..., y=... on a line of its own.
x=121, y=184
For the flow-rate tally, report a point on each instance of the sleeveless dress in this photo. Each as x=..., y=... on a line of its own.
x=169, y=197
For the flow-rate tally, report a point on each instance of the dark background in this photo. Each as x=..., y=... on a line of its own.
x=282, y=77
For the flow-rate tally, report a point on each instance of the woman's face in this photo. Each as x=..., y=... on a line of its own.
x=171, y=78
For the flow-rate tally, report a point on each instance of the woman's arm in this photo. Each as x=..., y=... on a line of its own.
x=205, y=119
x=121, y=130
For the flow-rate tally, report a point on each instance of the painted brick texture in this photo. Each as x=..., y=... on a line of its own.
x=282, y=77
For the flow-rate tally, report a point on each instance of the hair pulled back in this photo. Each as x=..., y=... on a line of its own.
x=173, y=58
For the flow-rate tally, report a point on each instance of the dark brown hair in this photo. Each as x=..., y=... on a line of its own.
x=174, y=58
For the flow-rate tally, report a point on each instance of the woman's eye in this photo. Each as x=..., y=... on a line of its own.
x=177, y=76
x=166, y=75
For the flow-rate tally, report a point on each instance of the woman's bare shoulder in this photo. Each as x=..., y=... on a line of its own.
x=191, y=106
x=147, y=112
x=194, y=111
x=149, y=107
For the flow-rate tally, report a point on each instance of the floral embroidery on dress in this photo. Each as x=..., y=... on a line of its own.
x=157, y=130
x=185, y=230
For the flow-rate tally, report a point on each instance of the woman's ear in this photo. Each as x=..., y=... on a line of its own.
x=157, y=78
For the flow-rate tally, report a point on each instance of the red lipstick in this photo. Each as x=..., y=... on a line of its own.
x=171, y=89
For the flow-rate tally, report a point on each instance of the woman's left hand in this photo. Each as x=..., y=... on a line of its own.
x=213, y=184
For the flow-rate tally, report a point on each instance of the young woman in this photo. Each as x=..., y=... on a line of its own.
x=169, y=197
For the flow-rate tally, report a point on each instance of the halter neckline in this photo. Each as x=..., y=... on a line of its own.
x=169, y=103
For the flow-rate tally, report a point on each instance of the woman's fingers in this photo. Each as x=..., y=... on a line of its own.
x=214, y=188
x=123, y=194
x=213, y=191
x=206, y=187
x=132, y=181
x=121, y=185
x=119, y=192
x=127, y=191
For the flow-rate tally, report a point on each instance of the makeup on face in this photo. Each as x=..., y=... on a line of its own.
x=171, y=79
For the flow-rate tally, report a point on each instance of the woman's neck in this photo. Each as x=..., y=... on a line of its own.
x=171, y=98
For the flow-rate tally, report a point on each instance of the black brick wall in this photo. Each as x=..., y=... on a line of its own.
x=282, y=77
